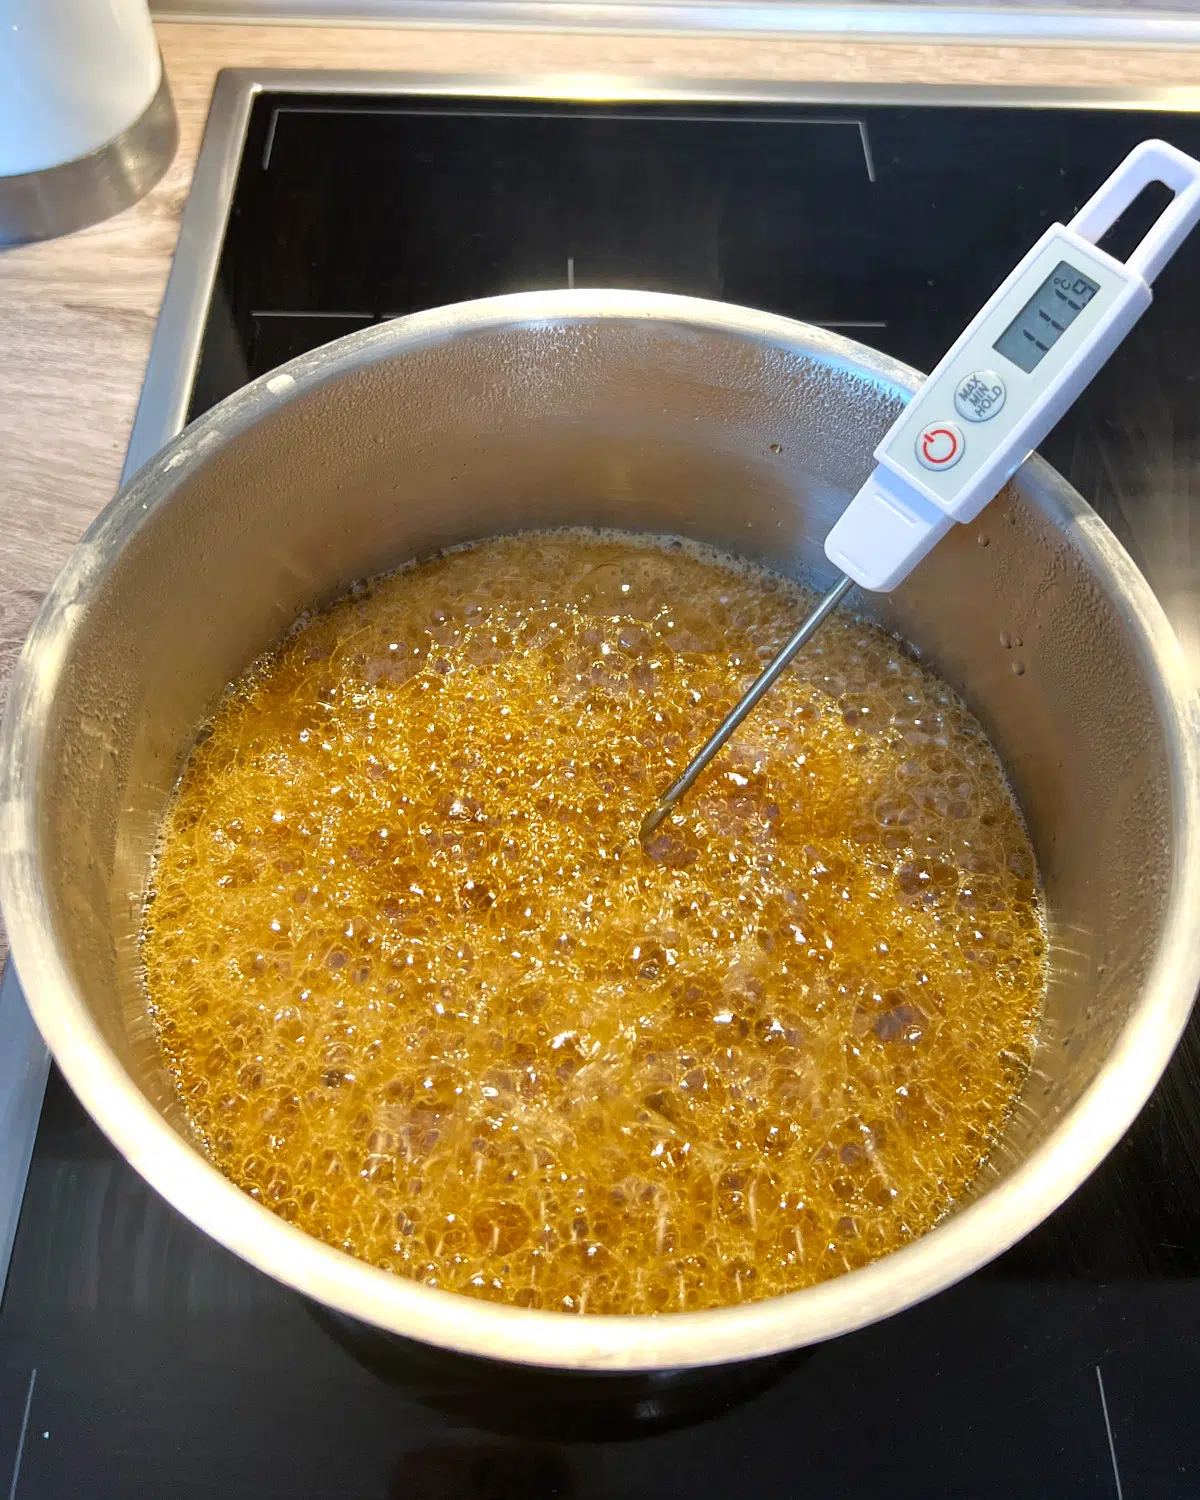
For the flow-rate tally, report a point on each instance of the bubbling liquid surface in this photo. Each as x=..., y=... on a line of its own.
x=424, y=993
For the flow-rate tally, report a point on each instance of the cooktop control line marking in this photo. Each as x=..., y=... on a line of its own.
x=1112, y=1447
x=866, y=145
x=269, y=143
x=300, y=312
x=535, y=114
x=16, y=1471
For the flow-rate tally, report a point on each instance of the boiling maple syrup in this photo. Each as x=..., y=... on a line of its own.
x=425, y=994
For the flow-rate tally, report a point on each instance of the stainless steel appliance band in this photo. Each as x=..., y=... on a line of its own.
x=59, y=200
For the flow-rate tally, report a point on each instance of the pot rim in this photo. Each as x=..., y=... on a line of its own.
x=186, y=1179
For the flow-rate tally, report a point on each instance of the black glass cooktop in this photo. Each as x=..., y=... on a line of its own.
x=139, y=1360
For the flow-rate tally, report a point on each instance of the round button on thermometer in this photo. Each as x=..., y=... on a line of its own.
x=940, y=445
x=980, y=396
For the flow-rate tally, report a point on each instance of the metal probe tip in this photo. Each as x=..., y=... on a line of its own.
x=654, y=818
x=761, y=685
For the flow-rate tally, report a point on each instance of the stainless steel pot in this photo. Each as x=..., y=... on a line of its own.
x=628, y=410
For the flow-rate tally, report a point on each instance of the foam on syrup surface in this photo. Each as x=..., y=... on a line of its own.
x=425, y=995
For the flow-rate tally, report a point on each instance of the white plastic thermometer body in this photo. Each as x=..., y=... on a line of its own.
x=1012, y=374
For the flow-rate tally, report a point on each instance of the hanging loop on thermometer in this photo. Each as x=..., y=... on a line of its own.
x=1007, y=379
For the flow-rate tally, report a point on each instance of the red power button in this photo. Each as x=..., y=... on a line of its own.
x=940, y=445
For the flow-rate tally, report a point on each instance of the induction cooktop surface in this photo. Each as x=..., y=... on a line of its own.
x=137, y=1358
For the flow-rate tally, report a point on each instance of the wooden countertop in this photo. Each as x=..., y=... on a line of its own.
x=77, y=315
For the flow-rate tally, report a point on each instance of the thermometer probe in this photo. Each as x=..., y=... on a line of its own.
x=1007, y=379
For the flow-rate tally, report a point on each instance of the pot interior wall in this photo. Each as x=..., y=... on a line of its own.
x=642, y=425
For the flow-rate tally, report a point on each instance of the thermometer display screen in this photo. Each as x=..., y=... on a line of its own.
x=1046, y=316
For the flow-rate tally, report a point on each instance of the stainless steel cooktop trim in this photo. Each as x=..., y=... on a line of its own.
x=175, y=350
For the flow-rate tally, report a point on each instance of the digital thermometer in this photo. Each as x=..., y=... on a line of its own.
x=1007, y=380
x=1012, y=373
